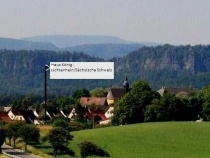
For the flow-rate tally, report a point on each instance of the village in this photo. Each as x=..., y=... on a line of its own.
x=92, y=107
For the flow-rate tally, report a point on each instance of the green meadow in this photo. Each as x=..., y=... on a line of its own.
x=148, y=140
x=3, y=156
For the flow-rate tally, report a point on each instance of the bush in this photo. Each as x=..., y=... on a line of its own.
x=88, y=148
x=60, y=118
x=103, y=125
x=59, y=139
x=76, y=126
x=2, y=123
x=61, y=123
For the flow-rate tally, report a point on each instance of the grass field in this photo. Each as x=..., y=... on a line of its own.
x=149, y=140
x=3, y=156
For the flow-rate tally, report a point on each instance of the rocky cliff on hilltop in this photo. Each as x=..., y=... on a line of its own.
x=191, y=59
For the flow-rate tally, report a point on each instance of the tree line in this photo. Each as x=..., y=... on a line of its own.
x=142, y=104
x=58, y=137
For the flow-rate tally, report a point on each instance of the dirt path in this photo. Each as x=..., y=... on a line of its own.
x=16, y=153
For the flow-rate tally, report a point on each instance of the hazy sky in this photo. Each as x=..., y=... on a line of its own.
x=162, y=21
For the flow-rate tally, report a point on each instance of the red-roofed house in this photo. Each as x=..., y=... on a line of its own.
x=100, y=102
x=94, y=106
x=4, y=117
x=112, y=96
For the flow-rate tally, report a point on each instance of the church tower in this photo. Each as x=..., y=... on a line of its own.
x=126, y=84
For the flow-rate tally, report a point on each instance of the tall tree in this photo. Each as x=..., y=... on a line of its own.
x=98, y=92
x=167, y=108
x=13, y=131
x=59, y=138
x=26, y=102
x=81, y=93
x=29, y=133
x=204, y=101
x=130, y=108
x=2, y=137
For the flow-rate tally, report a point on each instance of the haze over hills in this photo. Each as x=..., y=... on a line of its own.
x=105, y=47
x=17, y=44
x=105, y=51
x=63, y=41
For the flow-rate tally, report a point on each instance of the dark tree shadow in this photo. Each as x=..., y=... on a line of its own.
x=42, y=147
x=66, y=151
x=88, y=148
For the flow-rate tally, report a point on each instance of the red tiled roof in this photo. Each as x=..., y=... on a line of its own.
x=102, y=116
x=4, y=117
x=97, y=101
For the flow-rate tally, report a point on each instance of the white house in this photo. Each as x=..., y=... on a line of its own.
x=35, y=113
x=61, y=111
x=109, y=112
x=15, y=115
x=72, y=113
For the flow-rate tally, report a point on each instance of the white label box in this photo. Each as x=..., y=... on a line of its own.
x=81, y=70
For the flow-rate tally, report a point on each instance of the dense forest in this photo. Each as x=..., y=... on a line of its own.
x=22, y=72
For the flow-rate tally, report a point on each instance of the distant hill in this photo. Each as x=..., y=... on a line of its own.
x=16, y=44
x=105, y=47
x=105, y=51
x=64, y=41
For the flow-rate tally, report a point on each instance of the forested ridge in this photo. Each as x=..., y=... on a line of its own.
x=22, y=72
x=168, y=65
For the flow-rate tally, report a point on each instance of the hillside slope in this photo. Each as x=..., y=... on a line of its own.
x=149, y=140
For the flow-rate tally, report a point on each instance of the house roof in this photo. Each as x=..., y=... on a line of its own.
x=16, y=112
x=4, y=117
x=97, y=101
x=176, y=91
x=7, y=108
x=28, y=115
x=115, y=93
x=91, y=113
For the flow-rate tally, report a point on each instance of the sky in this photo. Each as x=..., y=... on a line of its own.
x=162, y=21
